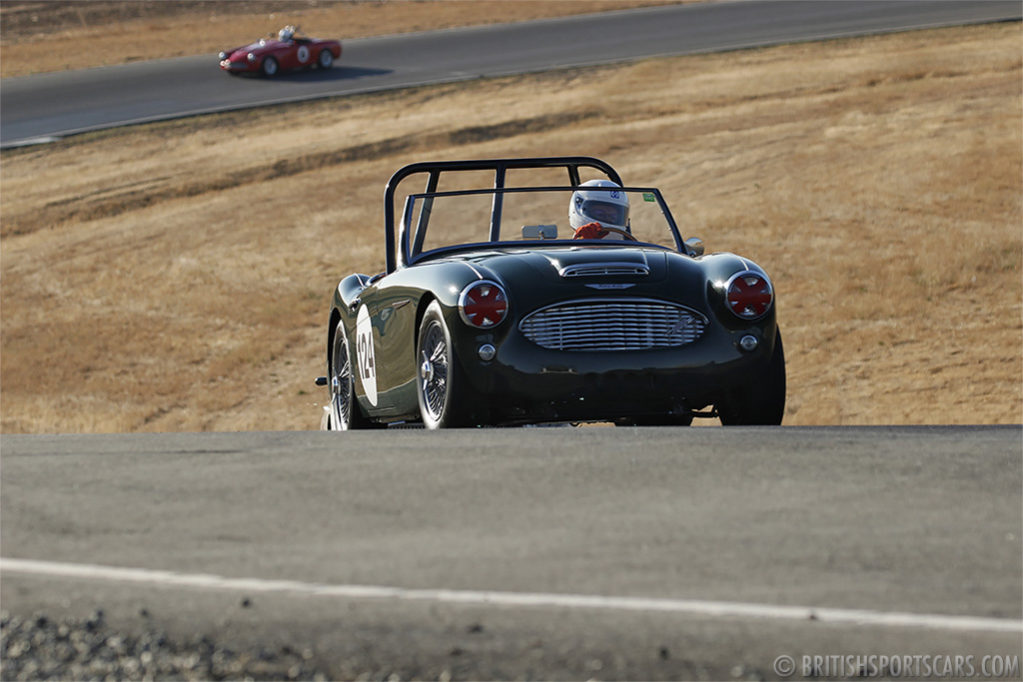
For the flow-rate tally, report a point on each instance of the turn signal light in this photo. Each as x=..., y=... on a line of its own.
x=483, y=304
x=749, y=295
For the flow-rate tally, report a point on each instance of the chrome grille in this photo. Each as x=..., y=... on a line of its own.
x=613, y=325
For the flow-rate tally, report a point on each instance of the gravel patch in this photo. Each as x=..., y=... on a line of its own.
x=43, y=648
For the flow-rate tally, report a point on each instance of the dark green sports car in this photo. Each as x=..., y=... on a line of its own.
x=522, y=291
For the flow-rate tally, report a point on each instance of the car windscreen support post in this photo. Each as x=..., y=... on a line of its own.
x=573, y=176
x=497, y=205
x=424, y=215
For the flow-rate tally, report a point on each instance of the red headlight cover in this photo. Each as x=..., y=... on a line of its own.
x=749, y=295
x=483, y=304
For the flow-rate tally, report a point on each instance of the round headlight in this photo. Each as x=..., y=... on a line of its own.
x=483, y=304
x=222, y=56
x=251, y=57
x=749, y=295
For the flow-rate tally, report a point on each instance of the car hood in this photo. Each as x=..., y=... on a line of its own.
x=574, y=262
x=256, y=47
x=539, y=276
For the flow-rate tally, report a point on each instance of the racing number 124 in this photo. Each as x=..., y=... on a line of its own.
x=367, y=369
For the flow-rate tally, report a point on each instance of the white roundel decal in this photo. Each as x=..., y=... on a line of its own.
x=303, y=54
x=366, y=358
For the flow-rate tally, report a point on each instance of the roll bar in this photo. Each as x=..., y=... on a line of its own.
x=433, y=169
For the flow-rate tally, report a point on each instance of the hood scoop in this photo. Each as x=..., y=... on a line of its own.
x=604, y=270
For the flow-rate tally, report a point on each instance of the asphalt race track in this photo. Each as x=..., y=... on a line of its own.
x=39, y=108
x=645, y=553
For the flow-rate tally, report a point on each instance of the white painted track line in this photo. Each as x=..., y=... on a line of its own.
x=513, y=599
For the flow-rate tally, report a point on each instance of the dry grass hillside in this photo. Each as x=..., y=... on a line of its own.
x=176, y=276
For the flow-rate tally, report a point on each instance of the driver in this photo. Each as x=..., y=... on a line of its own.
x=286, y=33
x=599, y=214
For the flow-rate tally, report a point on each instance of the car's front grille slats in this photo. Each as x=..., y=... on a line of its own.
x=602, y=325
x=605, y=270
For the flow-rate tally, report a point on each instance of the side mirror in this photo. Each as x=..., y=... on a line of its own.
x=539, y=231
x=694, y=245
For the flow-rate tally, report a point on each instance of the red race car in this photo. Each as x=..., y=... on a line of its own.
x=288, y=51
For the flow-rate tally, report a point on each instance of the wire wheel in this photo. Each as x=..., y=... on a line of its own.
x=443, y=398
x=433, y=370
x=344, y=412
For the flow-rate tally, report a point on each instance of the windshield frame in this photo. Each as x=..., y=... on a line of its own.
x=411, y=238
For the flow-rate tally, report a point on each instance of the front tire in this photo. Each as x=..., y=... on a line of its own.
x=439, y=381
x=345, y=413
x=269, y=67
x=325, y=60
x=762, y=400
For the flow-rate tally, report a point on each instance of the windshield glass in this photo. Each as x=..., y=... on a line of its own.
x=616, y=215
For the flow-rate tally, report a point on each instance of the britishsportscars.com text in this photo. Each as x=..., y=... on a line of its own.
x=958, y=666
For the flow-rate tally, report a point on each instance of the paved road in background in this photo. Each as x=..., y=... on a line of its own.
x=57, y=104
x=388, y=539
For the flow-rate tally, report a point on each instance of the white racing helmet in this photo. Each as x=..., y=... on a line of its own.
x=607, y=207
x=286, y=34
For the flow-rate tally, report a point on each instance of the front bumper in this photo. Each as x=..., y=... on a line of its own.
x=228, y=65
x=527, y=383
